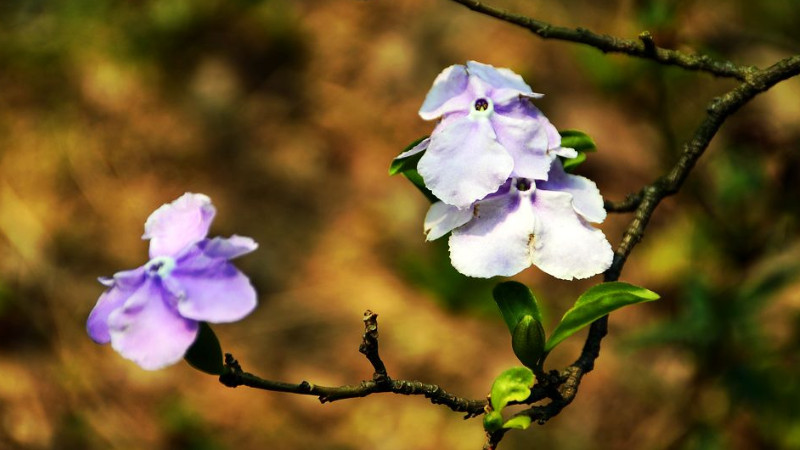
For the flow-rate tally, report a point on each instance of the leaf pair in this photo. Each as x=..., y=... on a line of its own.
x=521, y=312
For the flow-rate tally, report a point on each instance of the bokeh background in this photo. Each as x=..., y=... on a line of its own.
x=287, y=113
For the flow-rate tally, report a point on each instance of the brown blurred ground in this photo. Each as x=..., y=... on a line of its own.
x=287, y=114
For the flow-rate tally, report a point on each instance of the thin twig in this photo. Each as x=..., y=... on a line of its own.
x=644, y=47
x=234, y=376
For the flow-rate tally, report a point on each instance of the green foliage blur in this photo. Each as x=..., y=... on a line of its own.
x=287, y=113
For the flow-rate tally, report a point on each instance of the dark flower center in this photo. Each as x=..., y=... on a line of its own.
x=523, y=184
x=481, y=104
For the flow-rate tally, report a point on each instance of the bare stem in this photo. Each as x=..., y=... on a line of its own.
x=643, y=47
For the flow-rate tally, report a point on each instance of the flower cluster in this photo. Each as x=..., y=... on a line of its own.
x=151, y=314
x=492, y=161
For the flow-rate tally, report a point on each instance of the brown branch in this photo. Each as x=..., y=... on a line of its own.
x=644, y=47
x=644, y=204
x=234, y=376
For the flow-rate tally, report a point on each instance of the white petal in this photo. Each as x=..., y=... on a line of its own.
x=422, y=146
x=565, y=246
x=496, y=241
x=443, y=218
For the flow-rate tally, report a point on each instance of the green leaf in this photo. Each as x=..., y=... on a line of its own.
x=205, y=354
x=518, y=422
x=513, y=384
x=400, y=165
x=578, y=140
x=516, y=301
x=527, y=341
x=492, y=421
x=571, y=163
x=595, y=303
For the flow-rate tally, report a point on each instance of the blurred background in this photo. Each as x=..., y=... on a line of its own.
x=287, y=114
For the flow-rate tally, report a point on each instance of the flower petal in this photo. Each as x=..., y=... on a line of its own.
x=220, y=293
x=229, y=248
x=495, y=242
x=443, y=218
x=148, y=329
x=586, y=198
x=505, y=83
x=422, y=146
x=177, y=225
x=464, y=161
x=564, y=245
x=448, y=93
x=120, y=288
x=519, y=128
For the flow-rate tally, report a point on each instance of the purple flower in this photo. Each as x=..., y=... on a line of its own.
x=150, y=314
x=544, y=223
x=489, y=131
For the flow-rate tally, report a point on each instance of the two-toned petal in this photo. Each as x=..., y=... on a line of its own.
x=448, y=94
x=519, y=129
x=148, y=330
x=564, y=245
x=496, y=241
x=175, y=226
x=586, y=198
x=120, y=288
x=504, y=84
x=464, y=161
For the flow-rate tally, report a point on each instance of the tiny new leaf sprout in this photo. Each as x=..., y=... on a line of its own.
x=595, y=303
x=205, y=354
x=581, y=142
x=407, y=165
x=523, y=317
x=513, y=385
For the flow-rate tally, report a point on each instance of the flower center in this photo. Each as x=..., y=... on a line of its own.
x=523, y=184
x=483, y=107
x=161, y=266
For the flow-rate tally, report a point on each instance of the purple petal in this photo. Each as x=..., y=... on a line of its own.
x=448, y=94
x=120, y=288
x=177, y=225
x=464, y=161
x=148, y=329
x=422, y=146
x=220, y=293
x=505, y=84
x=564, y=245
x=586, y=198
x=229, y=248
x=496, y=241
x=443, y=218
x=519, y=128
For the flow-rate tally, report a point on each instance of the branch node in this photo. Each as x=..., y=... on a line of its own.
x=648, y=42
x=369, y=347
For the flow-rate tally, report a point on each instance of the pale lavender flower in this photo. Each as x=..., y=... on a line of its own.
x=150, y=314
x=544, y=223
x=489, y=131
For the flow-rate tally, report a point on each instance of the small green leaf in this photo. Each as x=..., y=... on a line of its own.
x=578, y=140
x=205, y=354
x=518, y=422
x=595, y=303
x=492, y=421
x=400, y=165
x=571, y=163
x=515, y=301
x=527, y=341
x=513, y=384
